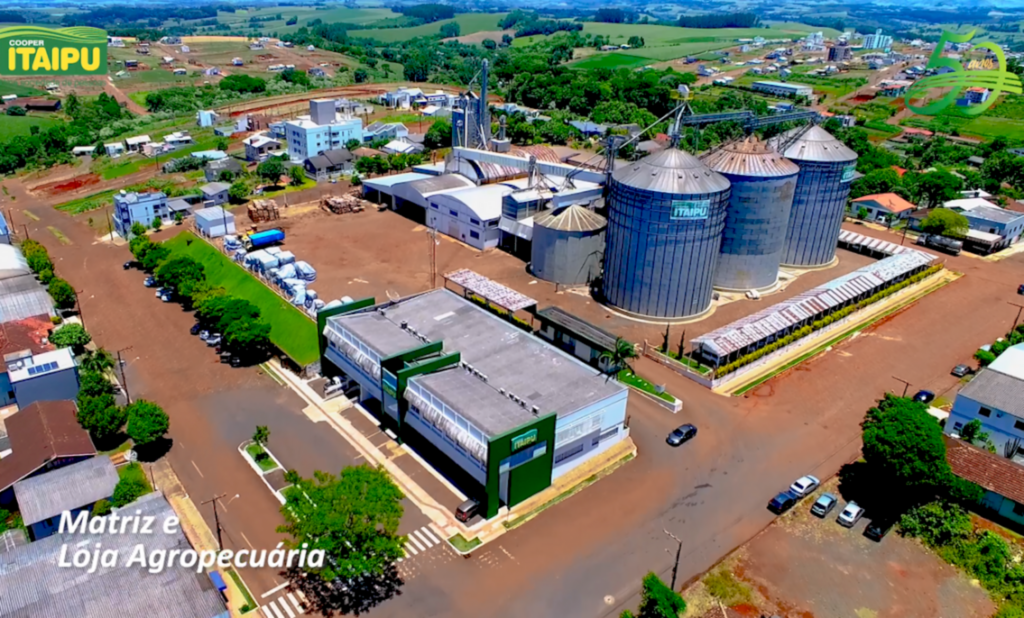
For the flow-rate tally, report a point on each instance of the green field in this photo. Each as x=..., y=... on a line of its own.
x=21, y=125
x=1002, y=119
x=240, y=19
x=19, y=89
x=290, y=329
x=610, y=60
x=470, y=23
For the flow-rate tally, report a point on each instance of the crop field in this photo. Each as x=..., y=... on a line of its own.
x=468, y=22
x=290, y=330
x=21, y=90
x=240, y=19
x=11, y=126
x=1005, y=119
x=611, y=60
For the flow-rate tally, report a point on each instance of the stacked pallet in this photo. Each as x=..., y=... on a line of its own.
x=342, y=204
x=263, y=210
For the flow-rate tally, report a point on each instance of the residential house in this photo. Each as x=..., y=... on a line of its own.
x=1002, y=479
x=213, y=170
x=215, y=193
x=984, y=216
x=316, y=72
x=207, y=118
x=237, y=62
x=976, y=162
x=258, y=147
x=41, y=437
x=131, y=208
x=42, y=105
x=882, y=206
x=384, y=130
x=366, y=152
x=178, y=139
x=994, y=398
x=974, y=96
x=214, y=222
x=332, y=162
x=401, y=146
x=46, y=590
x=403, y=97
x=589, y=129
x=19, y=337
x=322, y=130
x=893, y=87
x=43, y=376
x=72, y=489
x=135, y=144
x=180, y=71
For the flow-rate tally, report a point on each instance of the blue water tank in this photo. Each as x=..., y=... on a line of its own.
x=665, y=217
x=758, y=214
x=827, y=168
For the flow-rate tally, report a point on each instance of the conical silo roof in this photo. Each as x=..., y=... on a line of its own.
x=575, y=218
x=750, y=157
x=816, y=144
x=671, y=171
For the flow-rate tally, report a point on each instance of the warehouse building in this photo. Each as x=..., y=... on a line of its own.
x=497, y=410
x=783, y=89
x=469, y=215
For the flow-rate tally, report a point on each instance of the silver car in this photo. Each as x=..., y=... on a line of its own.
x=804, y=485
x=850, y=515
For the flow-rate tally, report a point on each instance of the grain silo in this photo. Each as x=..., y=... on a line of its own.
x=826, y=168
x=757, y=216
x=568, y=245
x=665, y=216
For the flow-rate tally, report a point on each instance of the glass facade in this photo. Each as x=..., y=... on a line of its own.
x=817, y=214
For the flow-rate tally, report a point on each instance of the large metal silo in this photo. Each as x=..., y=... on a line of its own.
x=827, y=167
x=568, y=245
x=665, y=216
x=757, y=216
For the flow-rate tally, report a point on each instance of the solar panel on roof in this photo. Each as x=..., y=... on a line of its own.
x=45, y=367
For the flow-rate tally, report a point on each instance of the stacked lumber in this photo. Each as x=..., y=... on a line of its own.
x=263, y=210
x=341, y=204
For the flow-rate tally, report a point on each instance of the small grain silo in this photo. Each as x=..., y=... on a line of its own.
x=827, y=167
x=757, y=216
x=568, y=245
x=665, y=217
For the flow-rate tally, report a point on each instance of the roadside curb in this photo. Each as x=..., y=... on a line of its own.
x=256, y=467
x=668, y=405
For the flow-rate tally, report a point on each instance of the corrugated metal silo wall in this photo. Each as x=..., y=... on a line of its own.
x=817, y=214
x=571, y=258
x=657, y=264
x=755, y=232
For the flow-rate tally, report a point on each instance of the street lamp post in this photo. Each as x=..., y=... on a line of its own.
x=124, y=380
x=906, y=384
x=78, y=306
x=1016, y=320
x=216, y=518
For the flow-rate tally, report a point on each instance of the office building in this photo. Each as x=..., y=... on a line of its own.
x=322, y=130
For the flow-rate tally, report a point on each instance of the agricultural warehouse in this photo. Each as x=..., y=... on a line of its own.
x=783, y=89
x=501, y=412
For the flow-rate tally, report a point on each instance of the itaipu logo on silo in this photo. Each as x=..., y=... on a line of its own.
x=954, y=76
x=32, y=50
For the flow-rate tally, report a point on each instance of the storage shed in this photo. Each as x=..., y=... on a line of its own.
x=214, y=222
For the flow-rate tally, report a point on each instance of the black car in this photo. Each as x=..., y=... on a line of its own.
x=225, y=357
x=924, y=396
x=196, y=328
x=681, y=434
x=130, y=264
x=782, y=503
x=236, y=361
x=1020, y=289
x=879, y=527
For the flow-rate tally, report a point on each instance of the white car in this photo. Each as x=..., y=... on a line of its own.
x=850, y=515
x=804, y=485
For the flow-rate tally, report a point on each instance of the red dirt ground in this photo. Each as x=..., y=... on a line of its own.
x=69, y=185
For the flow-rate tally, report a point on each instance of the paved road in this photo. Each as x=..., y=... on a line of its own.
x=585, y=556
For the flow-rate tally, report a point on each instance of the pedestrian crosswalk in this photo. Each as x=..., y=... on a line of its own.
x=419, y=541
x=287, y=605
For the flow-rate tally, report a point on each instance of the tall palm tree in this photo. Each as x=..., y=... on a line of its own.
x=619, y=357
x=97, y=360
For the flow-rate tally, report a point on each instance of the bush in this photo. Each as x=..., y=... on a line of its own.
x=46, y=276
x=63, y=294
x=101, y=508
x=71, y=336
x=984, y=357
x=127, y=491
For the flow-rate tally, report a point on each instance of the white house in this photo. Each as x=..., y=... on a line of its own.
x=135, y=144
x=115, y=149
x=322, y=130
x=994, y=397
x=259, y=146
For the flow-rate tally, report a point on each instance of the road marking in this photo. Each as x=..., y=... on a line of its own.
x=428, y=532
x=248, y=543
x=301, y=596
x=197, y=468
x=410, y=548
x=270, y=592
x=274, y=612
x=295, y=602
x=423, y=538
x=287, y=609
x=416, y=542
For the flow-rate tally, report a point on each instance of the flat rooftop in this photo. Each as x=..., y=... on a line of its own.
x=510, y=358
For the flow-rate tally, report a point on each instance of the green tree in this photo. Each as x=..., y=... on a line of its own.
x=984, y=357
x=178, y=218
x=72, y=336
x=226, y=176
x=138, y=229
x=270, y=170
x=222, y=143
x=657, y=600
x=945, y=222
x=16, y=110
x=154, y=257
x=935, y=188
x=221, y=311
x=247, y=337
x=128, y=490
x=182, y=274
x=360, y=75
x=96, y=360
x=862, y=213
x=63, y=294
x=101, y=508
x=147, y=422
x=972, y=433
x=885, y=180
x=451, y=29
x=298, y=175
x=903, y=447
x=94, y=384
x=101, y=416
x=238, y=192
x=619, y=357
x=352, y=144
x=506, y=39
x=261, y=435
x=353, y=517
x=157, y=223
x=490, y=44
x=439, y=135
x=45, y=276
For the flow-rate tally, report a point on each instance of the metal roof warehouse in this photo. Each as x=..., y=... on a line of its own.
x=475, y=394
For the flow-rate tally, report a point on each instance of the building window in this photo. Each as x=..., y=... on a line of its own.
x=986, y=412
x=1018, y=509
x=473, y=234
x=453, y=213
x=958, y=426
x=474, y=221
x=574, y=451
x=1019, y=425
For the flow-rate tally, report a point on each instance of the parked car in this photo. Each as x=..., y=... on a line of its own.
x=850, y=515
x=196, y=329
x=130, y=264
x=681, y=434
x=204, y=335
x=961, y=370
x=782, y=503
x=467, y=510
x=167, y=297
x=225, y=357
x=824, y=505
x=879, y=527
x=1020, y=289
x=924, y=396
x=804, y=485
x=213, y=340
x=236, y=361
x=150, y=281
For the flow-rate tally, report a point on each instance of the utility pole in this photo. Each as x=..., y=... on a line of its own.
x=679, y=551
x=124, y=380
x=906, y=384
x=110, y=226
x=25, y=227
x=432, y=234
x=216, y=517
x=78, y=306
x=1016, y=320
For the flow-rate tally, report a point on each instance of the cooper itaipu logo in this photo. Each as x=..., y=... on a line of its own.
x=32, y=50
x=956, y=78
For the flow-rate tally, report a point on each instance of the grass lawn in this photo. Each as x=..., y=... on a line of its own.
x=139, y=97
x=462, y=544
x=122, y=166
x=134, y=471
x=612, y=60
x=22, y=90
x=290, y=329
x=11, y=126
x=628, y=377
x=309, y=183
x=250, y=603
x=266, y=463
x=470, y=23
